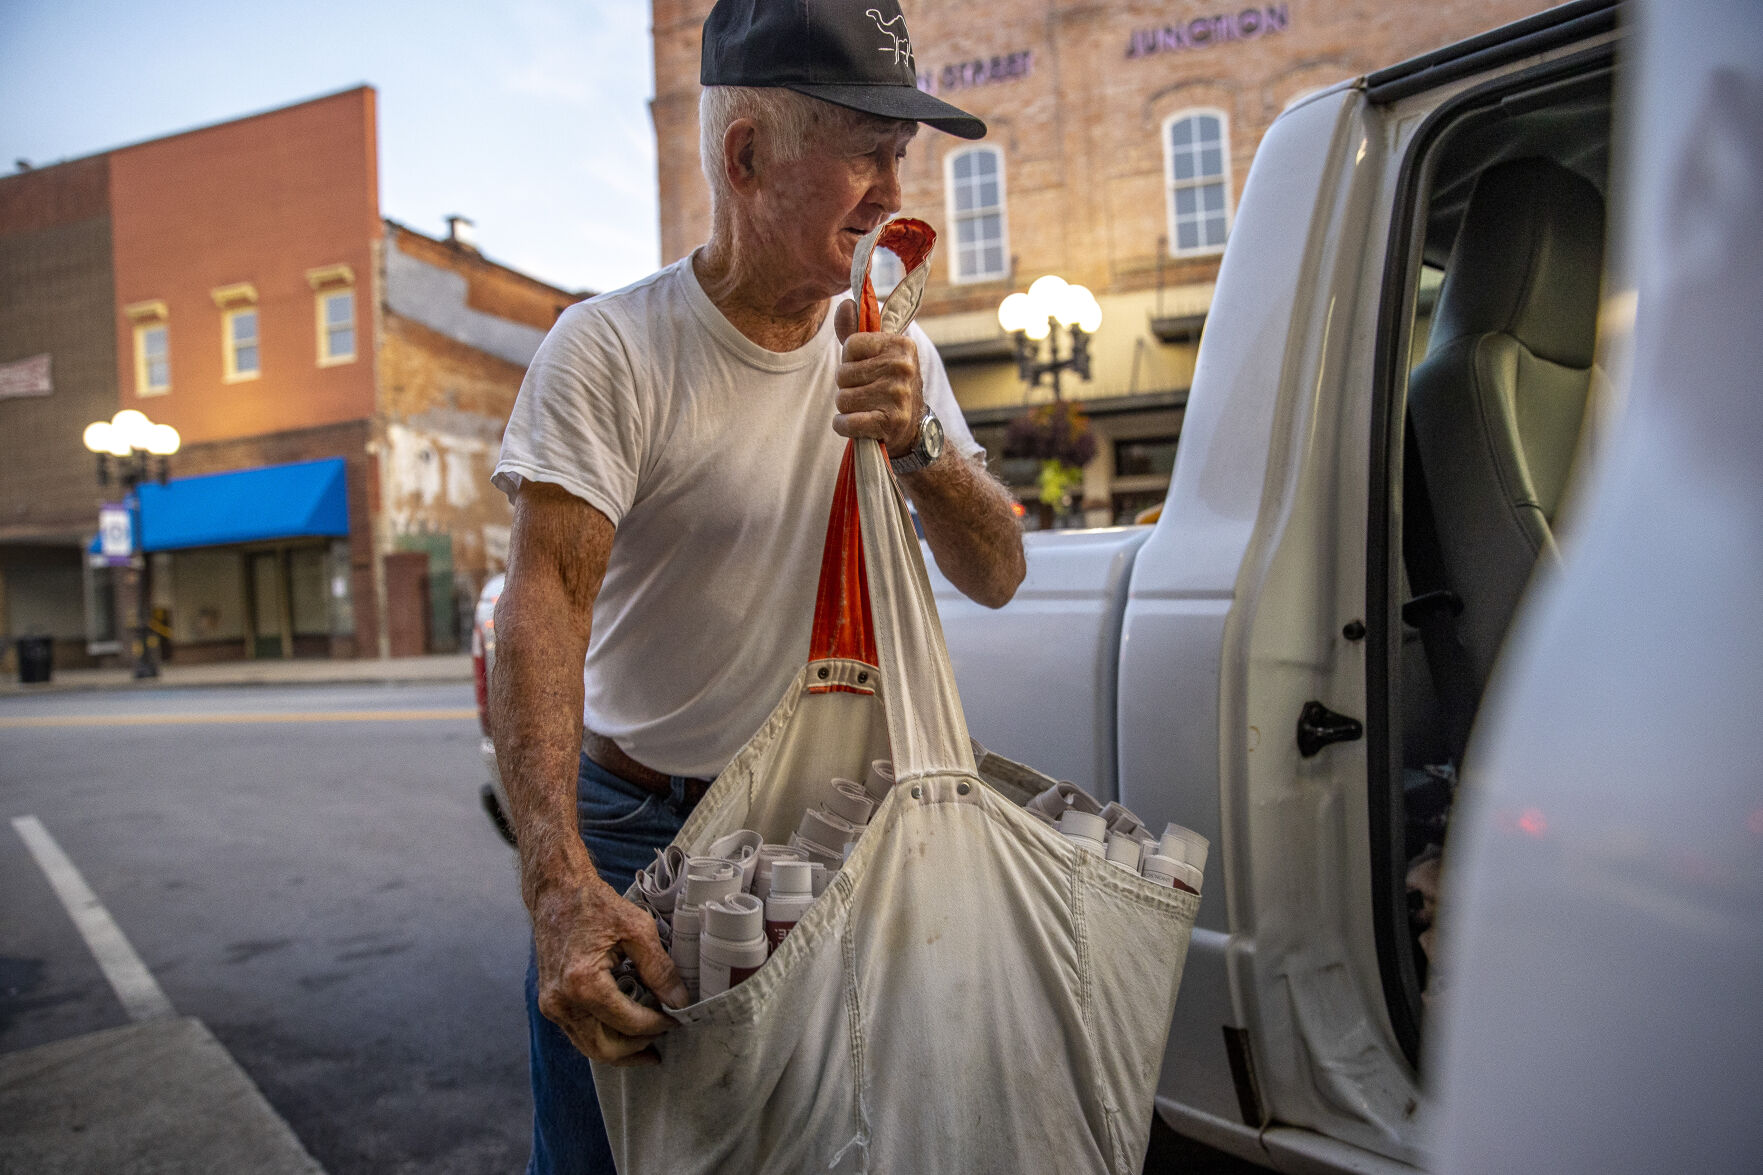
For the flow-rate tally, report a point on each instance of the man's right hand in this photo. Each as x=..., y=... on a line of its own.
x=579, y=935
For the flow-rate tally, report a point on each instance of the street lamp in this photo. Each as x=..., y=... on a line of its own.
x=1056, y=434
x=126, y=446
x=1035, y=317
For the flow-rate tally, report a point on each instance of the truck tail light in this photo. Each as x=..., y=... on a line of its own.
x=480, y=679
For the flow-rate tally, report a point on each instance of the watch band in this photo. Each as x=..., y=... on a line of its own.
x=925, y=450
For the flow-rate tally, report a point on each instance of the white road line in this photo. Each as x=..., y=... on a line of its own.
x=135, y=986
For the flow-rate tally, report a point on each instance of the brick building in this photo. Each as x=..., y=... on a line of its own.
x=457, y=331
x=1120, y=137
x=339, y=382
x=57, y=373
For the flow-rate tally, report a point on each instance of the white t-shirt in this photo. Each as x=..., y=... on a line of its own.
x=715, y=459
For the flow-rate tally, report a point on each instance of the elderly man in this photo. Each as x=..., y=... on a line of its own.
x=671, y=459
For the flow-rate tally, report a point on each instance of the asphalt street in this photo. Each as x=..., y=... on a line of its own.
x=308, y=872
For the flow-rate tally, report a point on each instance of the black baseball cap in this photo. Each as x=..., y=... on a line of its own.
x=852, y=53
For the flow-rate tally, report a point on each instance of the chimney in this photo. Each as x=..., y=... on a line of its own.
x=462, y=231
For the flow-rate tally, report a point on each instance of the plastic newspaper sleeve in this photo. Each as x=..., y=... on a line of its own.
x=972, y=992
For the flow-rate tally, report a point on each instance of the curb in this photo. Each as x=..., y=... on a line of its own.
x=442, y=671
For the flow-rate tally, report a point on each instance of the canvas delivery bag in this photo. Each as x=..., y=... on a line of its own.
x=972, y=992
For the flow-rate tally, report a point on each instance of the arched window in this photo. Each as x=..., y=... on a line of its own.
x=1196, y=150
x=974, y=181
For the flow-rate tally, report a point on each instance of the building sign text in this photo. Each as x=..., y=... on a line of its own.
x=984, y=71
x=1203, y=32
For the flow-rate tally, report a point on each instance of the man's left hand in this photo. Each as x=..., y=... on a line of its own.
x=881, y=392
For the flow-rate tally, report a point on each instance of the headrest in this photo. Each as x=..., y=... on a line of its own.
x=1526, y=262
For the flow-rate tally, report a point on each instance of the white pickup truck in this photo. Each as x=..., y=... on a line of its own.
x=1396, y=376
x=1401, y=366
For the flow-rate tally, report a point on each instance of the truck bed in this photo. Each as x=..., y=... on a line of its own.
x=1059, y=640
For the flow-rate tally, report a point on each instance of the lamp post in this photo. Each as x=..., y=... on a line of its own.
x=126, y=446
x=1057, y=434
x=1037, y=316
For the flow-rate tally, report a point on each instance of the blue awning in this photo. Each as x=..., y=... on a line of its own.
x=304, y=500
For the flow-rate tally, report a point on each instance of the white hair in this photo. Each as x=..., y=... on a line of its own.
x=791, y=125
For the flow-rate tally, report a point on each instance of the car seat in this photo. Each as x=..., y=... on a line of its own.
x=1497, y=405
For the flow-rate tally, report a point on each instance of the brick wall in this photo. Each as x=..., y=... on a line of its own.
x=1080, y=125
x=55, y=271
x=444, y=408
x=260, y=200
x=685, y=201
x=458, y=332
x=1076, y=97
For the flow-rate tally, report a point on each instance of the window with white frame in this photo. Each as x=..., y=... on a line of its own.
x=151, y=322
x=336, y=327
x=243, y=357
x=975, y=185
x=1197, y=158
x=333, y=292
x=152, y=359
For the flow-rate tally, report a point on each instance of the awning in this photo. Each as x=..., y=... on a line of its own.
x=304, y=500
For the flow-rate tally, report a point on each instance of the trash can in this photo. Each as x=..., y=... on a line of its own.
x=36, y=658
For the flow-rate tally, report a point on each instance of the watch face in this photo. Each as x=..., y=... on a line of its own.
x=930, y=437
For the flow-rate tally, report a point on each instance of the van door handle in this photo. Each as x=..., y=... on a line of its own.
x=1319, y=726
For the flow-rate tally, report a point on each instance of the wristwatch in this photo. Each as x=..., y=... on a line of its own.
x=926, y=449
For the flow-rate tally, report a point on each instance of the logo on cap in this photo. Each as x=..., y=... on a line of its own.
x=857, y=57
x=902, y=45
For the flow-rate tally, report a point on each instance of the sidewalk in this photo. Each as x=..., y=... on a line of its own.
x=440, y=667
x=157, y=1096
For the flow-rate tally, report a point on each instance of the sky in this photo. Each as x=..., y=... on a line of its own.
x=530, y=117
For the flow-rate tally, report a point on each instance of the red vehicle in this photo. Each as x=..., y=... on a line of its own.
x=483, y=659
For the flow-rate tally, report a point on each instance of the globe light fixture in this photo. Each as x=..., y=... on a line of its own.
x=129, y=434
x=131, y=450
x=1013, y=314
x=132, y=425
x=1046, y=292
x=163, y=440
x=1050, y=306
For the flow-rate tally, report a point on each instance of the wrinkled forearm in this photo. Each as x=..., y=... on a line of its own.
x=536, y=717
x=970, y=526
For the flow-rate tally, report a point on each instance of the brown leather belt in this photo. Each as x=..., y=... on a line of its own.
x=611, y=756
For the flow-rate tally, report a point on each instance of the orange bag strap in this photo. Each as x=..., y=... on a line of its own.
x=843, y=625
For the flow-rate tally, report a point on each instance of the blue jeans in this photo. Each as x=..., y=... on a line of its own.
x=622, y=825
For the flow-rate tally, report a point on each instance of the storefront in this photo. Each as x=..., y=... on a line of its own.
x=1135, y=455
x=247, y=564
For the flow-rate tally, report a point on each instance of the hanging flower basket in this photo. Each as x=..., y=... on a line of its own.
x=1059, y=482
x=1058, y=436
x=1052, y=432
